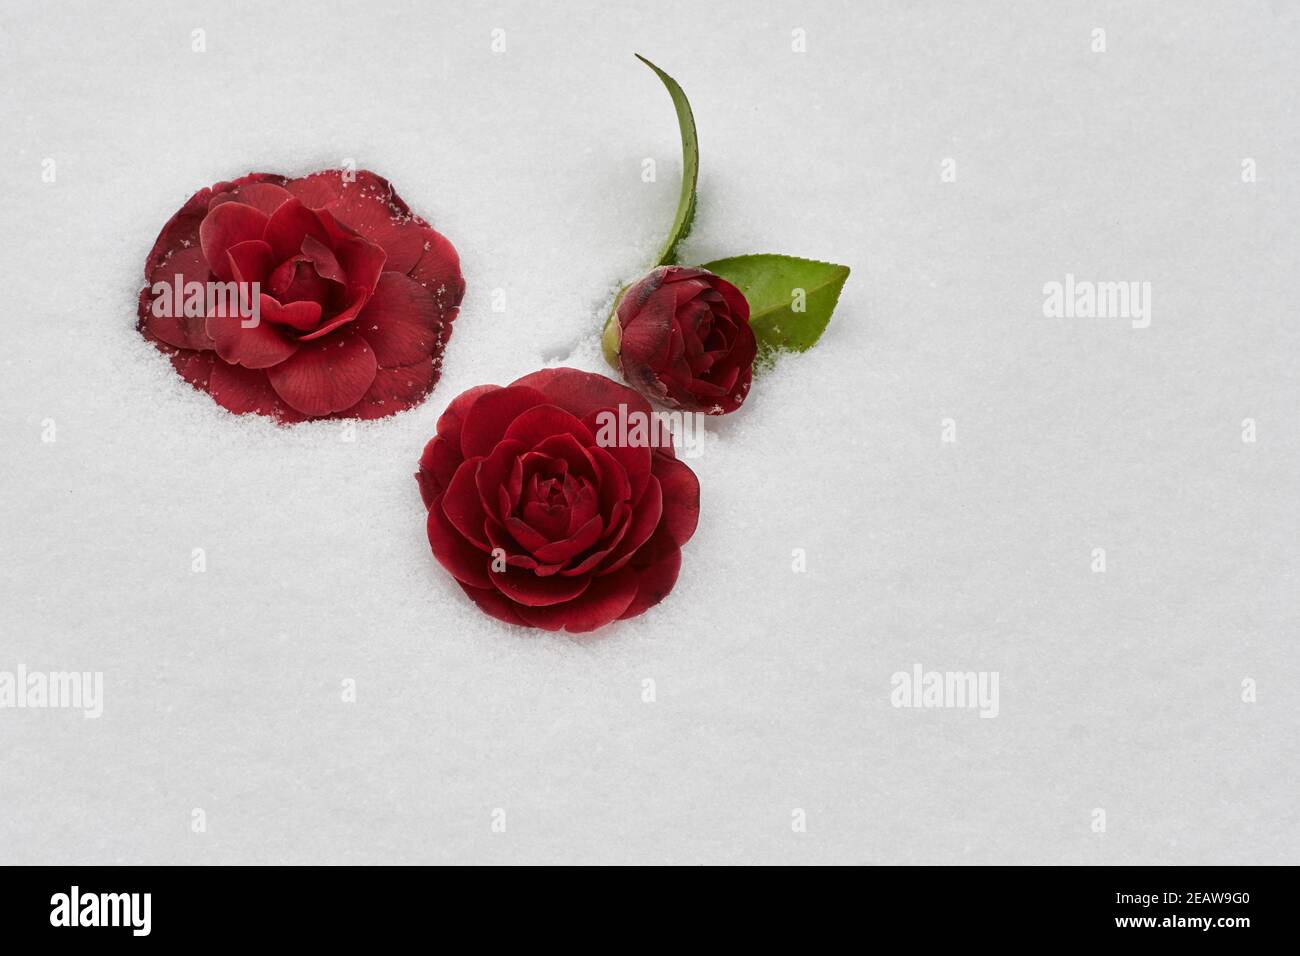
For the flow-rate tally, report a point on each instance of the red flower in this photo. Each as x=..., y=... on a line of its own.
x=355, y=301
x=685, y=340
x=545, y=514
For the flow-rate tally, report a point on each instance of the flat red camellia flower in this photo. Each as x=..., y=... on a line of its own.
x=546, y=515
x=354, y=305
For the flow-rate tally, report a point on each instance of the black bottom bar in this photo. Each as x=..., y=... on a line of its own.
x=1170, y=906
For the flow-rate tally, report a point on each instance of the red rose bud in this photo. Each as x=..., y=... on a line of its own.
x=684, y=340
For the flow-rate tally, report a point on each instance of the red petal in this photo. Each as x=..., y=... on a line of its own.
x=176, y=328
x=636, y=463
x=439, y=270
x=461, y=559
x=452, y=420
x=603, y=602
x=442, y=455
x=492, y=475
x=568, y=448
x=528, y=589
x=487, y=419
x=301, y=315
x=194, y=367
x=227, y=225
x=242, y=390
x=250, y=261
x=735, y=299
x=742, y=356
x=681, y=498
x=656, y=569
x=536, y=424
x=527, y=536
x=495, y=604
x=323, y=258
x=264, y=197
x=435, y=461
x=645, y=334
x=645, y=518
x=343, y=318
x=181, y=230
x=289, y=225
x=316, y=190
x=396, y=389
x=461, y=504
x=325, y=375
x=364, y=262
x=400, y=321
x=615, y=486
x=370, y=206
x=557, y=552
x=189, y=263
x=619, y=522
x=259, y=346
x=583, y=393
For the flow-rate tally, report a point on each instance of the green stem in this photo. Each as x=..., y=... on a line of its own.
x=690, y=166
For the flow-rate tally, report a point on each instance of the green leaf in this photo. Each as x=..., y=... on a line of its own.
x=690, y=167
x=790, y=299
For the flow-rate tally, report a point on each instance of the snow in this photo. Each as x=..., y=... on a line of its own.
x=1120, y=690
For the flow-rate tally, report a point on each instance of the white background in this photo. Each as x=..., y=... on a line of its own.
x=1120, y=691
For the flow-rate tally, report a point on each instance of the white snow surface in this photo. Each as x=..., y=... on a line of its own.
x=1119, y=691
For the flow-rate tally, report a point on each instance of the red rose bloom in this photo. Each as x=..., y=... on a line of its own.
x=542, y=517
x=354, y=305
x=685, y=340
